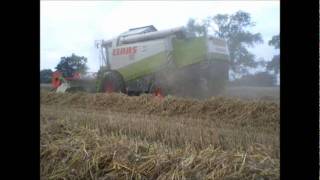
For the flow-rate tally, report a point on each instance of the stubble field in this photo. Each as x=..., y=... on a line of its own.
x=113, y=136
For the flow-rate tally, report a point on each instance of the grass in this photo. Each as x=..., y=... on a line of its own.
x=98, y=136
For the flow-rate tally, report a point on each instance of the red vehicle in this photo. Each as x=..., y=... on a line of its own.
x=58, y=79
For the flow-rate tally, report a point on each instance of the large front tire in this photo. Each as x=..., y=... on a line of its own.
x=111, y=81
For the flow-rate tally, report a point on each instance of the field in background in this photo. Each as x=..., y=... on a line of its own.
x=113, y=136
x=247, y=92
x=45, y=87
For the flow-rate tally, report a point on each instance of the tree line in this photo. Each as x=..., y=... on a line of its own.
x=234, y=28
x=67, y=66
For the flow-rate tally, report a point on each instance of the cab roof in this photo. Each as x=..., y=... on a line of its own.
x=139, y=30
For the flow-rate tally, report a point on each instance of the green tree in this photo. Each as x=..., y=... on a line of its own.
x=274, y=64
x=234, y=29
x=69, y=65
x=275, y=41
x=45, y=75
x=196, y=29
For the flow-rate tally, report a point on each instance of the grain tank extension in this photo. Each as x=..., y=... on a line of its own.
x=168, y=61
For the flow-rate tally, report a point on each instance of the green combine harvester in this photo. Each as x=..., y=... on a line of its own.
x=145, y=60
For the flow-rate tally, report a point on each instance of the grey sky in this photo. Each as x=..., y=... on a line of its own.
x=68, y=27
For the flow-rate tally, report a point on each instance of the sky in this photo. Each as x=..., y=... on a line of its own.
x=68, y=27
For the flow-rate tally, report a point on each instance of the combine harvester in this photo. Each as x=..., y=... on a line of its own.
x=144, y=60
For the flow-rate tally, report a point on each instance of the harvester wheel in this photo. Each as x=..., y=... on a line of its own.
x=216, y=86
x=157, y=91
x=112, y=81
